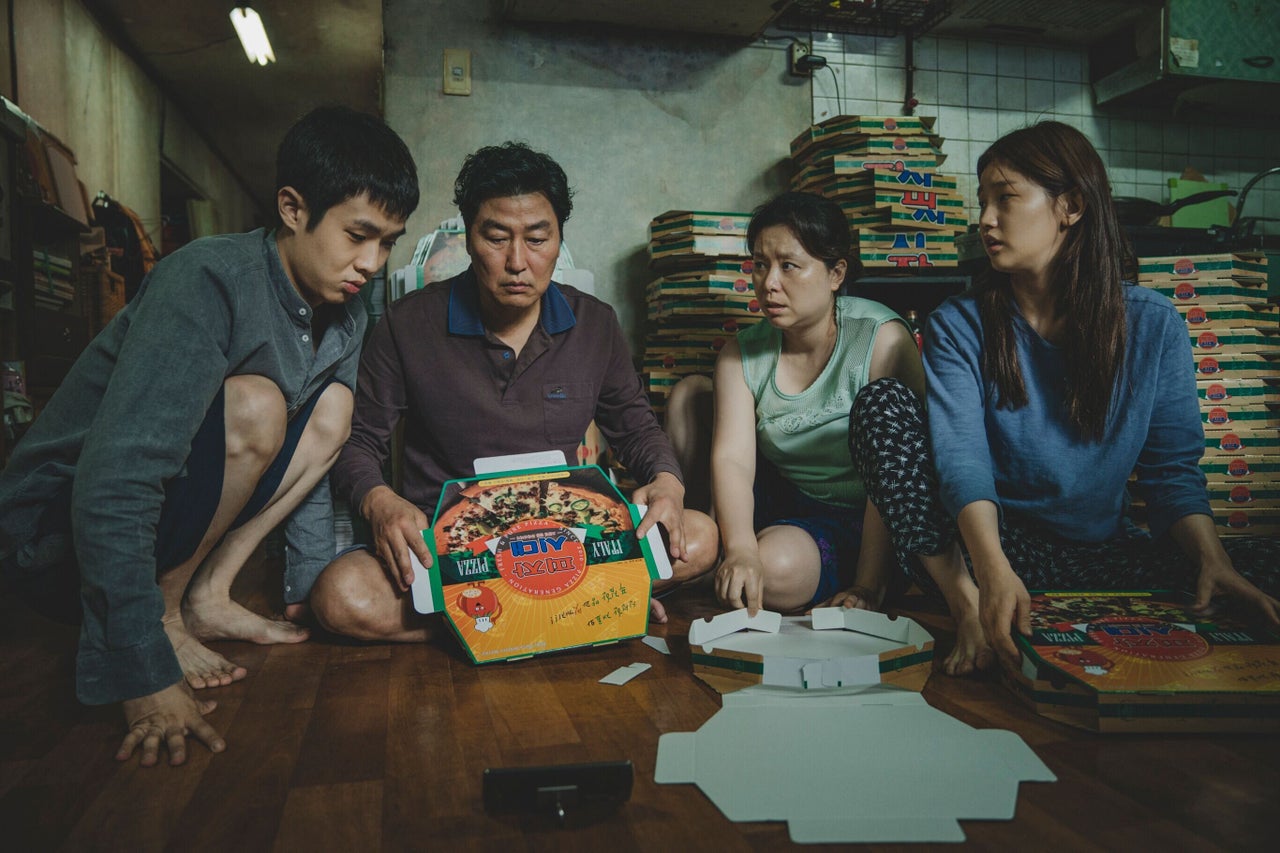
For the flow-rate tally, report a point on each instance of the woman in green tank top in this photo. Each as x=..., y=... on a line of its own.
x=797, y=528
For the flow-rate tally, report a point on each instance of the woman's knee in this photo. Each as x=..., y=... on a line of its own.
x=255, y=418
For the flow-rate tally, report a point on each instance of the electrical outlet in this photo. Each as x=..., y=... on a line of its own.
x=797, y=52
x=457, y=72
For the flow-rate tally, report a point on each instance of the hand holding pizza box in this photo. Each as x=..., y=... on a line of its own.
x=537, y=560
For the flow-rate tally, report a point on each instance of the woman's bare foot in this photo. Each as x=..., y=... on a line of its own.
x=201, y=666
x=972, y=653
x=222, y=619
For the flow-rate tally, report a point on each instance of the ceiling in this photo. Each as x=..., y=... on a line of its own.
x=327, y=51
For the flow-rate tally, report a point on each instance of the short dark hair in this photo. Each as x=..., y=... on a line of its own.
x=334, y=153
x=511, y=169
x=818, y=223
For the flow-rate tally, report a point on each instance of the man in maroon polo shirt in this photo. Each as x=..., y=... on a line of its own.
x=497, y=360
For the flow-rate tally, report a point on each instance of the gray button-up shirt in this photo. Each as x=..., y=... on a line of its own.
x=121, y=425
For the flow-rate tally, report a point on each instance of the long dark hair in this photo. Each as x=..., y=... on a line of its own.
x=1087, y=277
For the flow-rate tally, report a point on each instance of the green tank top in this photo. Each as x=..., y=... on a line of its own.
x=806, y=435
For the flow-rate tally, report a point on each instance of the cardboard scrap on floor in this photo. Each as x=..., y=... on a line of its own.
x=871, y=765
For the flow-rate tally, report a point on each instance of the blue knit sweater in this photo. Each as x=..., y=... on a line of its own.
x=1030, y=462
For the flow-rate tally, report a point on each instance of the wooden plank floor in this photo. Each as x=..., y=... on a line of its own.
x=341, y=746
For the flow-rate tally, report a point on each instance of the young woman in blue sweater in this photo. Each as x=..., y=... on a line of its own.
x=1048, y=385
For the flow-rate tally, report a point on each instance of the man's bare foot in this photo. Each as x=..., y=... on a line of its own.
x=972, y=652
x=201, y=666
x=223, y=619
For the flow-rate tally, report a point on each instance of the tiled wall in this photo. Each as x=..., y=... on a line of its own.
x=979, y=90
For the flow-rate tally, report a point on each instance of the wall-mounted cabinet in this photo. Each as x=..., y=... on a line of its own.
x=1195, y=57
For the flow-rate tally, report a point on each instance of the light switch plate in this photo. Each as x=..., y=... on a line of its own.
x=457, y=71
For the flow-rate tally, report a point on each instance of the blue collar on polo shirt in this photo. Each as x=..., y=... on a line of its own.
x=464, y=308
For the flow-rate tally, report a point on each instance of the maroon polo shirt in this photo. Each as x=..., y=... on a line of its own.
x=464, y=394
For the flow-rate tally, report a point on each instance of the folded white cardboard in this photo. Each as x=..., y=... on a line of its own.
x=879, y=765
x=832, y=647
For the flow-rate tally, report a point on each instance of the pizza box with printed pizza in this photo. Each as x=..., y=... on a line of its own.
x=1141, y=662
x=537, y=560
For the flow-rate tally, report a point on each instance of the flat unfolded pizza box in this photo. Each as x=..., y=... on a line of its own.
x=535, y=561
x=833, y=647
x=869, y=765
x=1140, y=662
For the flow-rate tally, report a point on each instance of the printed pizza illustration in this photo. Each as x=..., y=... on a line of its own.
x=484, y=510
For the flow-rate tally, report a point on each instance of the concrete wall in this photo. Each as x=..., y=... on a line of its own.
x=87, y=92
x=641, y=123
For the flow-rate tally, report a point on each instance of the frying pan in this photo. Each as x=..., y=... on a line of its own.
x=1141, y=211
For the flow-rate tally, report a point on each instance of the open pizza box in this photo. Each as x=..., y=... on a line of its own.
x=535, y=556
x=1141, y=662
x=833, y=647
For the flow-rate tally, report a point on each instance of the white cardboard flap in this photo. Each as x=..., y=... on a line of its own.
x=842, y=672
x=661, y=561
x=519, y=462
x=423, y=600
x=676, y=758
x=872, y=623
x=703, y=631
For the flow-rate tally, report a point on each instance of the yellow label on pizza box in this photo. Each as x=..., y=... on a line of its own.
x=536, y=561
x=1142, y=662
x=1253, y=314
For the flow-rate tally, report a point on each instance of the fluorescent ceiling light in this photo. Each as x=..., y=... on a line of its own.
x=254, y=38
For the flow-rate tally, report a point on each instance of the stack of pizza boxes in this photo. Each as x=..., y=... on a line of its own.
x=1236, y=357
x=702, y=297
x=883, y=171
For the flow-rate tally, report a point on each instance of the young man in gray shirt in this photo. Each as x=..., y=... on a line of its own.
x=206, y=413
